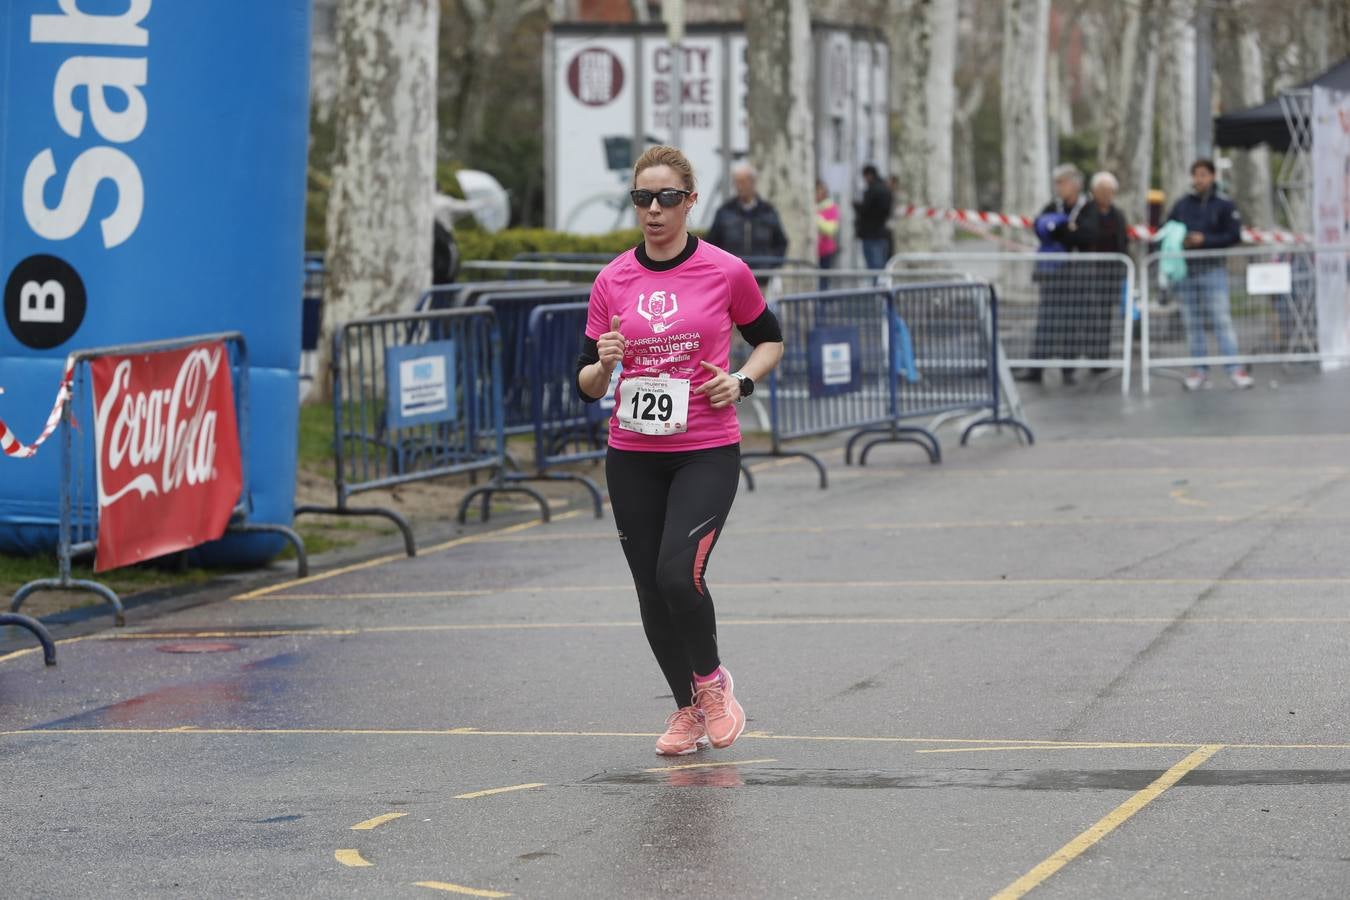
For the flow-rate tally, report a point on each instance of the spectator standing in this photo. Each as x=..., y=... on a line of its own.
x=827, y=229
x=892, y=185
x=747, y=225
x=1057, y=227
x=872, y=215
x=1101, y=229
x=1212, y=222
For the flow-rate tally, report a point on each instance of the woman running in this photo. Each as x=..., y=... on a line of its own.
x=661, y=315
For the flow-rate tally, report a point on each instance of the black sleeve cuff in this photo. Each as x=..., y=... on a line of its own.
x=590, y=353
x=764, y=330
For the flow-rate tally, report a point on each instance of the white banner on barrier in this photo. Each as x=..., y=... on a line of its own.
x=1331, y=220
x=1270, y=278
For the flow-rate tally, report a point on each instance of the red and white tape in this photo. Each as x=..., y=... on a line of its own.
x=12, y=446
x=1138, y=232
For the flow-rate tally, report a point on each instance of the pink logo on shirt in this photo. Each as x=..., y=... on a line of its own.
x=657, y=312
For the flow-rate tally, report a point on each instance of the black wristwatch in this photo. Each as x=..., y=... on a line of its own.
x=747, y=385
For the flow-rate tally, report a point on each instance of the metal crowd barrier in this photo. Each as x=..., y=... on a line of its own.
x=566, y=429
x=517, y=269
x=78, y=522
x=38, y=631
x=540, y=257
x=804, y=401
x=767, y=269
x=945, y=361
x=602, y=259
x=513, y=310
x=383, y=437
x=867, y=360
x=808, y=281
x=466, y=293
x=1239, y=306
x=1065, y=311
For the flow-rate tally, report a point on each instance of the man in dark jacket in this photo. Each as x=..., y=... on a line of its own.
x=1212, y=222
x=872, y=216
x=747, y=225
x=1057, y=225
x=1101, y=229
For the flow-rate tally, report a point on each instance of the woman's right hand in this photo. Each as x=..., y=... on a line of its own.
x=611, y=346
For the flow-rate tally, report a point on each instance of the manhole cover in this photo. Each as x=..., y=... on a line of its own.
x=198, y=647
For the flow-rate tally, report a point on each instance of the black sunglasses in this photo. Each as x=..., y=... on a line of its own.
x=668, y=197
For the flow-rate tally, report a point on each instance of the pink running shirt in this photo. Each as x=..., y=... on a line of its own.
x=673, y=320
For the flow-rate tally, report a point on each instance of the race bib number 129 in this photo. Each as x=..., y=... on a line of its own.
x=654, y=405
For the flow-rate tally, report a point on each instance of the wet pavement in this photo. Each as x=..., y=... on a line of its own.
x=1112, y=664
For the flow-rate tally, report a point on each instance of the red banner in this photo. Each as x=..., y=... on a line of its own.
x=169, y=472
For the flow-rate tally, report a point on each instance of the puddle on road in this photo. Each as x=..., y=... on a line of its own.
x=1008, y=779
x=239, y=699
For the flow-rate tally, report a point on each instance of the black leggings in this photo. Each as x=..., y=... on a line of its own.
x=670, y=509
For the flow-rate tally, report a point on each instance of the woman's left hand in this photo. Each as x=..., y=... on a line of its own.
x=721, y=389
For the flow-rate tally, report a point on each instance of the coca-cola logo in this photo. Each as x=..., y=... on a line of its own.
x=158, y=438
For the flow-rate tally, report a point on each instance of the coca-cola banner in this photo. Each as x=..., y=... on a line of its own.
x=167, y=447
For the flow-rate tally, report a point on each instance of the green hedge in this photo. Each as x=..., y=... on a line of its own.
x=504, y=245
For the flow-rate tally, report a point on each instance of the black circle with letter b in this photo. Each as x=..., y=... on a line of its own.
x=44, y=302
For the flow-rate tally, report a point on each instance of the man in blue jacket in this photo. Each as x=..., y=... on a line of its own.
x=1212, y=222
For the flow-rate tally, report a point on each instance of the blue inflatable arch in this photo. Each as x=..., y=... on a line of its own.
x=152, y=162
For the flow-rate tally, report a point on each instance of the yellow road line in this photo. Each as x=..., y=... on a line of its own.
x=1181, y=495
x=710, y=765
x=870, y=472
x=1334, y=580
x=246, y=634
x=469, y=731
x=1206, y=439
x=37, y=648
x=501, y=790
x=351, y=858
x=381, y=560
x=322, y=576
x=1108, y=521
x=1093, y=746
x=790, y=460
x=458, y=889
x=376, y=822
x=1107, y=824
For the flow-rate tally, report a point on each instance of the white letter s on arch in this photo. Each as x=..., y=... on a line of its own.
x=71, y=214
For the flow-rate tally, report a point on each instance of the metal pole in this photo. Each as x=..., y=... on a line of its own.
x=1204, y=69
x=67, y=473
x=676, y=94
x=673, y=13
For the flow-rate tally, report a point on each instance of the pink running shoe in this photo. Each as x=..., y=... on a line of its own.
x=685, y=733
x=722, y=715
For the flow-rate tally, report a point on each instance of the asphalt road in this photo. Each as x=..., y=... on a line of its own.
x=1110, y=665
